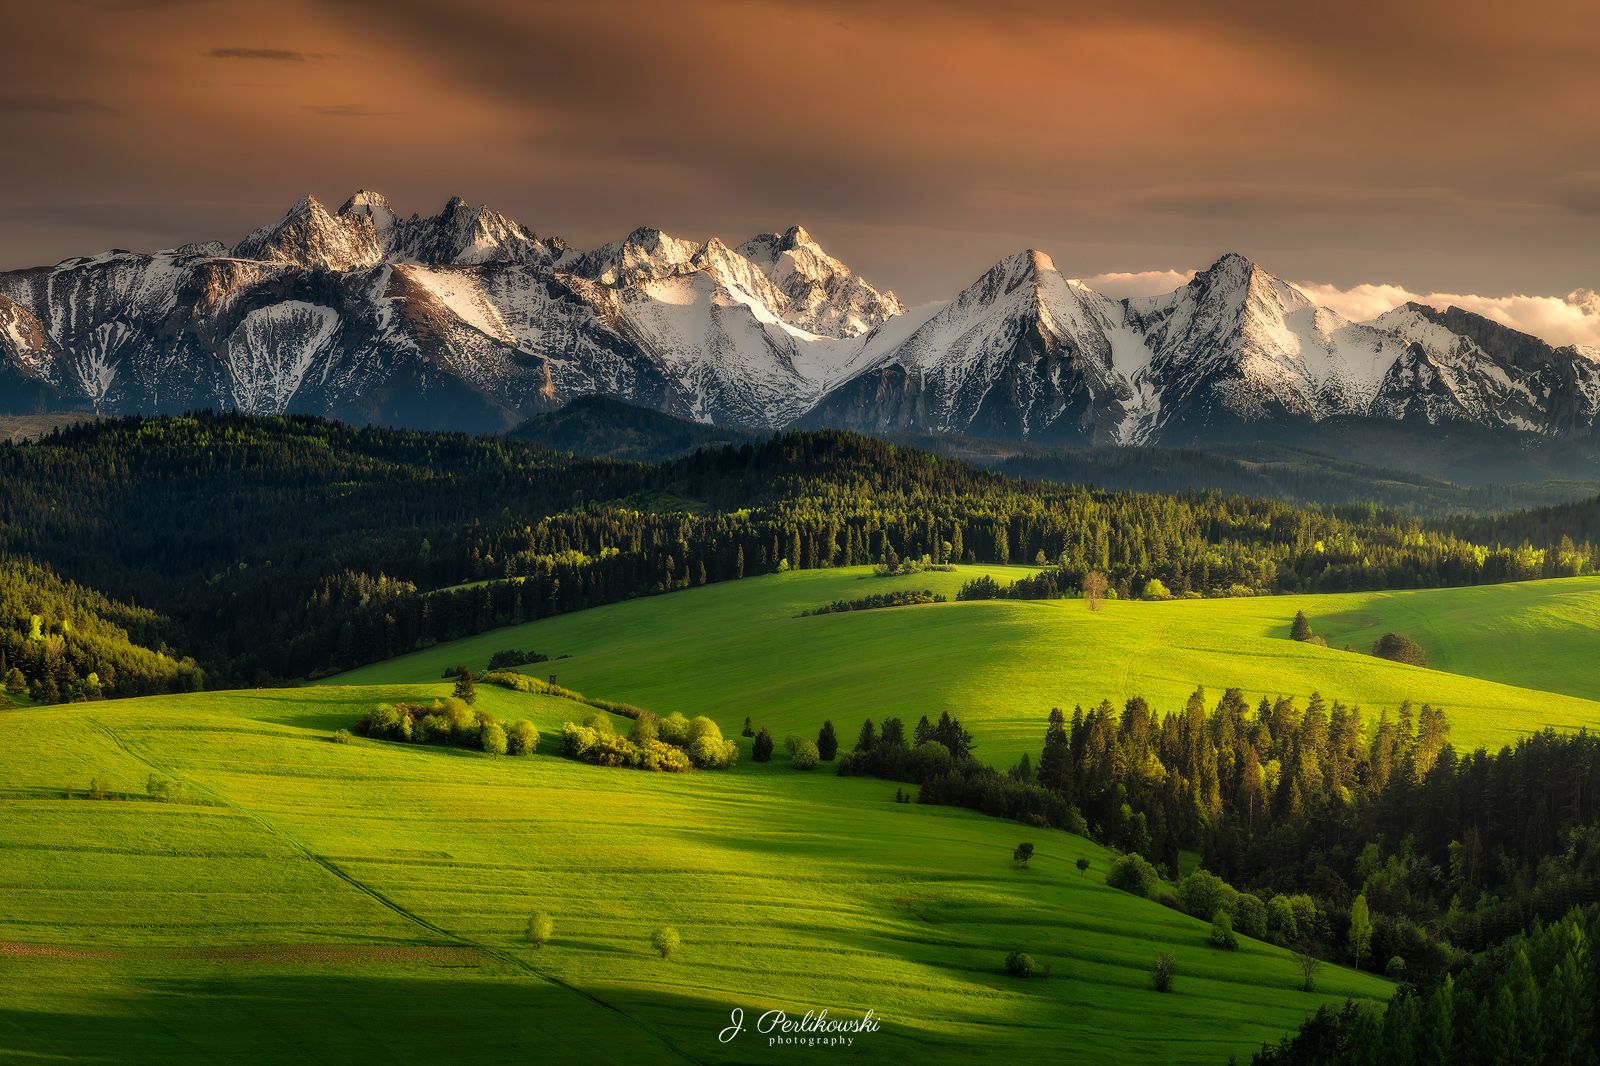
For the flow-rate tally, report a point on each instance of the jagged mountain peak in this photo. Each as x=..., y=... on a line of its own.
x=645, y=254
x=471, y=302
x=309, y=236
x=823, y=295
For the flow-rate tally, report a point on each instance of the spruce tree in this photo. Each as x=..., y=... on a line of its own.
x=868, y=737
x=466, y=689
x=1301, y=629
x=827, y=742
x=761, y=749
x=1055, y=762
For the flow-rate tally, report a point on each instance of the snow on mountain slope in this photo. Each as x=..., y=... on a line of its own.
x=1237, y=345
x=1020, y=352
x=469, y=319
x=1459, y=366
x=822, y=295
x=734, y=357
x=461, y=291
x=270, y=352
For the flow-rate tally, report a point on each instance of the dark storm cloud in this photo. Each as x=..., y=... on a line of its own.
x=275, y=55
x=46, y=104
x=347, y=111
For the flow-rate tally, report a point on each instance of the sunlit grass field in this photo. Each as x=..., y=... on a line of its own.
x=330, y=902
x=738, y=649
x=321, y=902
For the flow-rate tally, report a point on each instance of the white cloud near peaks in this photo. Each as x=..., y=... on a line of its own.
x=1570, y=319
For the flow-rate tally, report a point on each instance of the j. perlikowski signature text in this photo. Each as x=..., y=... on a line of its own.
x=816, y=1029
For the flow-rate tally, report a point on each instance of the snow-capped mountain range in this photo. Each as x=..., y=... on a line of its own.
x=469, y=320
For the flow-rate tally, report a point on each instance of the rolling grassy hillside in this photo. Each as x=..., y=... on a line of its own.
x=325, y=903
x=736, y=649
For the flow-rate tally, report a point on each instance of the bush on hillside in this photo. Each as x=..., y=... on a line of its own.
x=1166, y=968
x=540, y=928
x=1400, y=648
x=448, y=721
x=1222, y=935
x=643, y=749
x=1202, y=894
x=492, y=739
x=673, y=729
x=1133, y=873
x=509, y=657
x=1019, y=964
x=1249, y=915
x=761, y=747
x=804, y=756
x=665, y=940
x=523, y=739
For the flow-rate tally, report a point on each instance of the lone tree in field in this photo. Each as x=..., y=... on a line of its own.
x=540, y=926
x=1094, y=588
x=1360, y=929
x=1309, y=965
x=466, y=690
x=761, y=747
x=665, y=940
x=1400, y=648
x=1023, y=855
x=1166, y=968
x=827, y=742
x=1019, y=964
x=749, y=731
x=1301, y=629
x=1083, y=866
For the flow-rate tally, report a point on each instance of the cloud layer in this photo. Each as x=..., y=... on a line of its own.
x=1570, y=319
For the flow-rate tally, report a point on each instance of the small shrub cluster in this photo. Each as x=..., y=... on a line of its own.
x=924, y=565
x=900, y=598
x=673, y=744
x=509, y=657
x=1019, y=964
x=803, y=754
x=450, y=722
x=1400, y=648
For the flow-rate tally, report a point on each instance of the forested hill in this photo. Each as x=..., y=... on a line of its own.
x=282, y=547
x=59, y=640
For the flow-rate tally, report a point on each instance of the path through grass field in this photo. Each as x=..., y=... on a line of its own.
x=327, y=902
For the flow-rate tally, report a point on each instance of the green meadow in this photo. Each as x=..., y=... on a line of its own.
x=1505, y=659
x=321, y=902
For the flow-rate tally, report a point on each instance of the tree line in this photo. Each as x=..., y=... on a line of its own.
x=277, y=548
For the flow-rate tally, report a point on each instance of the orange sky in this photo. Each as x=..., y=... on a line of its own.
x=1441, y=146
